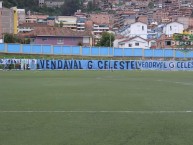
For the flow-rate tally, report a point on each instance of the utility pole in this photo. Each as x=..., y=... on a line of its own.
x=110, y=39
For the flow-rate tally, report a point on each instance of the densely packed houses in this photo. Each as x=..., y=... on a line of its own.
x=150, y=23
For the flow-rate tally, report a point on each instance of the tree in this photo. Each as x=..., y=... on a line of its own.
x=151, y=5
x=20, y=3
x=106, y=39
x=80, y=43
x=10, y=38
x=90, y=6
x=71, y=6
x=61, y=24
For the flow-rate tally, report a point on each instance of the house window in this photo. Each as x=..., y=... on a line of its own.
x=168, y=43
x=136, y=44
x=153, y=43
x=170, y=28
x=32, y=40
x=60, y=41
x=142, y=27
x=73, y=39
x=130, y=45
x=86, y=40
x=44, y=39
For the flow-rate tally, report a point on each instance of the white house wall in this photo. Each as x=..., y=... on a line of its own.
x=142, y=44
x=116, y=42
x=172, y=28
x=138, y=29
x=135, y=29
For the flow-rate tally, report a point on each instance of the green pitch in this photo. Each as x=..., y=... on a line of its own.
x=96, y=108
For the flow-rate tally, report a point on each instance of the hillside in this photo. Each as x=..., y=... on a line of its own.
x=68, y=8
x=28, y=4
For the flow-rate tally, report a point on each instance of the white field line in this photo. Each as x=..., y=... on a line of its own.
x=132, y=112
x=138, y=79
x=182, y=83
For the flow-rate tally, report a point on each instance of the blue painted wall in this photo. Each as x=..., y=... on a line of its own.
x=93, y=51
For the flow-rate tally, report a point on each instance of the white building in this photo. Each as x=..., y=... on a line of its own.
x=67, y=21
x=98, y=30
x=116, y=42
x=134, y=29
x=135, y=42
x=173, y=27
x=81, y=24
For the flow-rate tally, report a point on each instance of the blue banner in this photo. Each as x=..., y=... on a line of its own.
x=114, y=65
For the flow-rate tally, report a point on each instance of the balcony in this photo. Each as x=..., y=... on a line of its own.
x=97, y=31
x=101, y=28
x=80, y=27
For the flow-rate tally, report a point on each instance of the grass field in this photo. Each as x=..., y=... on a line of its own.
x=96, y=108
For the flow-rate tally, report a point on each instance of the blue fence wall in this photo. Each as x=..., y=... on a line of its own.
x=93, y=51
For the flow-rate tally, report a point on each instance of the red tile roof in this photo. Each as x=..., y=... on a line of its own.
x=32, y=25
x=54, y=31
x=37, y=16
x=126, y=40
x=100, y=18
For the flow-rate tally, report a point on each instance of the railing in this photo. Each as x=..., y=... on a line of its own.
x=94, y=51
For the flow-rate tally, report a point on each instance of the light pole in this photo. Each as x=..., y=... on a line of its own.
x=2, y=34
x=3, y=38
x=110, y=39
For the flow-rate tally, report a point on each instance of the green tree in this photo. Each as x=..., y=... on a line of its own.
x=71, y=6
x=151, y=5
x=61, y=24
x=106, y=39
x=32, y=5
x=79, y=43
x=90, y=6
x=10, y=38
x=20, y=3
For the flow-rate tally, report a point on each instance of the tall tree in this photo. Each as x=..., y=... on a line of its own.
x=106, y=39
